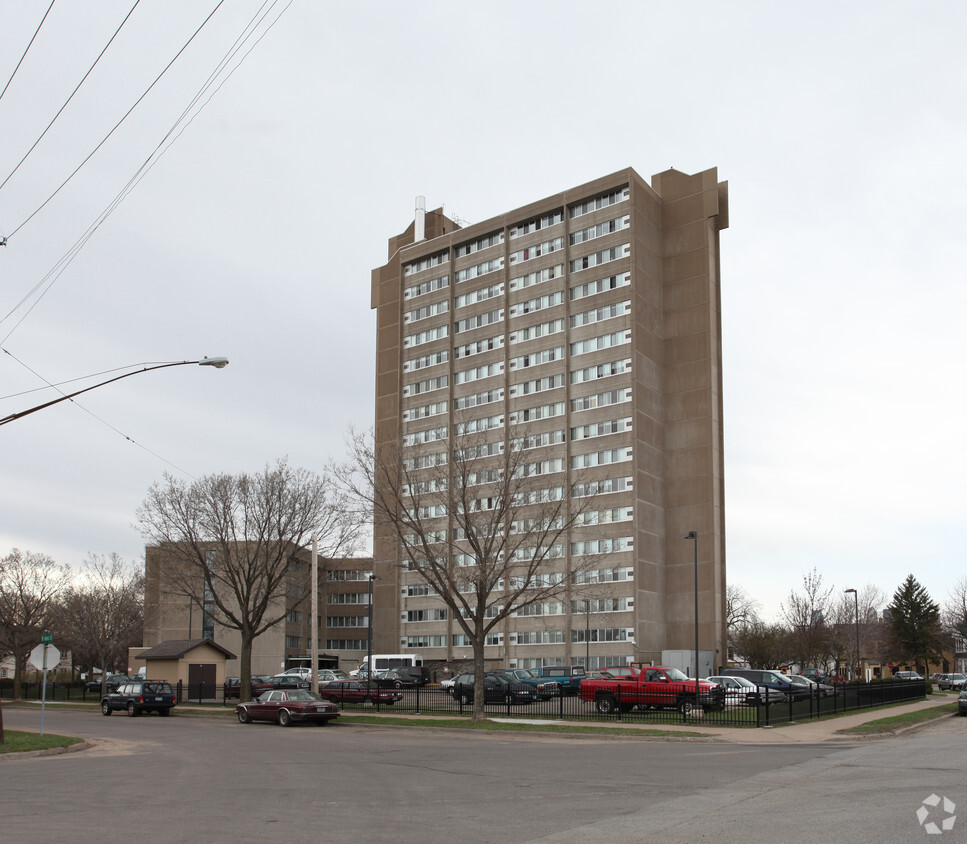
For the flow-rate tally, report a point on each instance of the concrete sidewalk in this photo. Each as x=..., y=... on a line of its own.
x=814, y=731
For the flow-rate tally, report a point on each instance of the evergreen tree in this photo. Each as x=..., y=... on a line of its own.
x=915, y=623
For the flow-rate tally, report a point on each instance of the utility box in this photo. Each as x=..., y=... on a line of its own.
x=685, y=661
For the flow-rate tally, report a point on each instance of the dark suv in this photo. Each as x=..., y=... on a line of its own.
x=140, y=696
x=497, y=689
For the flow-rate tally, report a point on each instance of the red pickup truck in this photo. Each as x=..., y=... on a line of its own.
x=657, y=687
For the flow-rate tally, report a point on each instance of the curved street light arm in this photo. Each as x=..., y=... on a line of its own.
x=217, y=362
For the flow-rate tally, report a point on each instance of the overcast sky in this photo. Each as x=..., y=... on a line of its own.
x=840, y=128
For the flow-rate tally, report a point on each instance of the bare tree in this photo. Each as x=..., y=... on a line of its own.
x=807, y=615
x=761, y=644
x=870, y=600
x=102, y=612
x=236, y=543
x=740, y=607
x=482, y=524
x=954, y=611
x=29, y=586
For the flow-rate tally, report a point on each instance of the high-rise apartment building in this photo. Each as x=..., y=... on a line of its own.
x=593, y=318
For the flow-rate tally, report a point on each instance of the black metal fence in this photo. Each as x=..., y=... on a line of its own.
x=846, y=697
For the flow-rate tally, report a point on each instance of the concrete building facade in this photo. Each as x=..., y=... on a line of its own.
x=343, y=608
x=593, y=318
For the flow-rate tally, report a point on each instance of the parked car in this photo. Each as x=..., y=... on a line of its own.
x=259, y=683
x=741, y=691
x=962, y=702
x=569, y=676
x=497, y=689
x=288, y=681
x=447, y=683
x=327, y=675
x=546, y=689
x=287, y=707
x=616, y=671
x=771, y=679
x=113, y=681
x=140, y=696
x=303, y=672
x=395, y=678
x=907, y=675
x=416, y=673
x=816, y=674
x=815, y=688
x=354, y=691
x=952, y=681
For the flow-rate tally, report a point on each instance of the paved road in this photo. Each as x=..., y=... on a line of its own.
x=192, y=779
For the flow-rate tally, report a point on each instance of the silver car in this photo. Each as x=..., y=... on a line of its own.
x=740, y=692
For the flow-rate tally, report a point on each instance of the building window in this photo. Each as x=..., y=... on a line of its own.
x=543, y=411
x=597, y=202
x=480, y=269
x=540, y=637
x=346, y=644
x=428, y=436
x=537, y=250
x=426, y=360
x=537, y=277
x=611, y=311
x=601, y=458
x=481, y=294
x=480, y=243
x=347, y=598
x=536, y=224
x=478, y=321
x=596, y=259
x=425, y=263
x=610, y=634
x=600, y=230
x=538, y=385
x=612, y=545
x=540, y=303
x=600, y=429
x=537, y=358
x=603, y=517
x=427, y=311
x=424, y=641
x=347, y=621
x=476, y=399
x=293, y=642
x=427, y=615
x=427, y=287
x=601, y=399
x=532, y=332
x=544, y=439
x=606, y=341
x=424, y=411
x=602, y=487
x=427, y=336
x=604, y=370
x=348, y=575
x=603, y=575
x=478, y=347
x=427, y=386
x=591, y=288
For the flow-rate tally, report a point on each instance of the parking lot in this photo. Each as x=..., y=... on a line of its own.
x=190, y=778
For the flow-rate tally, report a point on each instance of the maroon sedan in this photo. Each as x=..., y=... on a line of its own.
x=352, y=691
x=287, y=707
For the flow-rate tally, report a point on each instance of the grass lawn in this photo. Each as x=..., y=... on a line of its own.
x=16, y=741
x=904, y=719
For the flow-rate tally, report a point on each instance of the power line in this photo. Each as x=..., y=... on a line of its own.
x=61, y=109
x=52, y=275
x=116, y=125
x=12, y=75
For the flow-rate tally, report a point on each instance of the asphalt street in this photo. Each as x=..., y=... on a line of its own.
x=198, y=778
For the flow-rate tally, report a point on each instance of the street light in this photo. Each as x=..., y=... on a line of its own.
x=369, y=646
x=856, y=602
x=693, y=535
x=218, y=363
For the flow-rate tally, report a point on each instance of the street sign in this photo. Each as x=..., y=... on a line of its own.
x=37, y=657
x=46, y=638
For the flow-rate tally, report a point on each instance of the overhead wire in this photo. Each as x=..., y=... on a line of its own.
x=166, y=142
x=67, y=102
x=51, y=277
x=104, y=140
x=27, y=49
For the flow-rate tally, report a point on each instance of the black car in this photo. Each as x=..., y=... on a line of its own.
x=113, y=681
x=497, y=689
x=416, y=673
x=140, y=696
x=395, y=678
x=287, y=681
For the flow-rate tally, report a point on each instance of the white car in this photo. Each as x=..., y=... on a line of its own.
x=303, y=673
x=327, y=675
x=447, y=684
